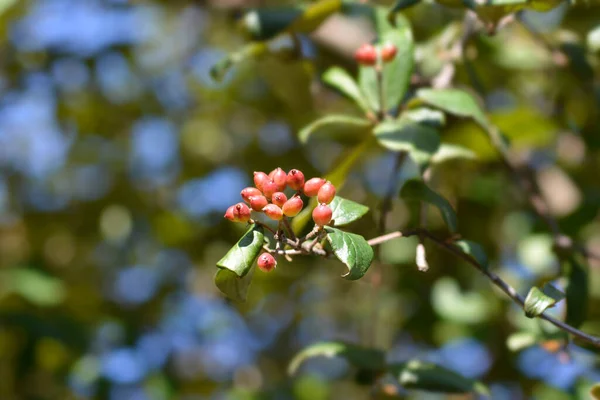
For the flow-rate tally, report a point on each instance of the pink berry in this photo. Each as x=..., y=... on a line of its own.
x=259, y=179
x=257, y=203
x=388, y=52
x=274, y=212
x=241, y=212
x=249, y=192
x=292, y=207
x=279, y=177
x=229, y=214
x=326, y=193
x=279, y=199
x=312, y=186
x=366, y=54
x=322, y=214
x=269, y=188
x=266, y=262
x=295, y=179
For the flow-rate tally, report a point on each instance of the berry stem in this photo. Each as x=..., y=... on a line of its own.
x=380, y=88
x=287, y=225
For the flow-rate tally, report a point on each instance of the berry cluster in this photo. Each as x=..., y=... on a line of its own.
x=268, y=197
x=367, y=53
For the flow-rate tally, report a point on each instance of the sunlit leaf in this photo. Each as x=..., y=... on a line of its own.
x=359, y=356
x=450, y=152
x=233, y=286
x=417, y=190
x=474, y=250
x=455, y=101
x=346, y=211
x=33, y=285
x=538, y=301
x=577, y=293
x=240, y=258
x=341, y=80
x=521, y=340
x=6, y=4
x=351, y=249
x=341, y=120
x=425, y=116
x=420, y=141
x=593, y=39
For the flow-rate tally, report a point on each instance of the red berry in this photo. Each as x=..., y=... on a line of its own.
x=326, y=193
x=366, y=54
x=312, y=186
x=269, y=188
x=250, y=192
x=258, y=202
x=279, y=177
x=241, y=212
x=293, y=206
x=259, y=179
x=229, y=214
x=266, y=262
x=279, y=199
x=388, y=52
x=273, y=212
x=295, y=179
x=322, y=214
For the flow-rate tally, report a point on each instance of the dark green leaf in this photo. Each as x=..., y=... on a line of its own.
x=359, y=356
x=403, y=4
x=339, y=79
x=347, y=120
x=422, y=375
x=577, y=293
x=450, y=152
x=425, y=116
x=538, y=301
x=417, y=190
x=420, y=141
x=346, y=211
x=455, y=101
x=233, y=286
x=351, y=249
x=266, y=23
x=474, y=250
x=240, y=258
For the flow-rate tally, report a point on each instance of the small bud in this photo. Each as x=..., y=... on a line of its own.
x=274, y=212
x=312, y=186
x=388, y=52
x=293, y=206
x=322, y=214
x=326, y=193
x=258, y=202
x=279, y=177
x=295, y=179
x=241, y=212
x=250, y=192
x=266, y=262
x=269, y=188
x=259, y=179
x=279, y=199
x=229, y=214
x=366, y=55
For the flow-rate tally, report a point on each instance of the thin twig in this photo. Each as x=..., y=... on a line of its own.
x=287, y=225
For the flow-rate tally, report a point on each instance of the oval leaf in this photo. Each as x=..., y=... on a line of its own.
x=451, y=152
x=577, y=293
x=417, y=190
x=425, y=116
x=420, y=141
x=240, y=258
x=346, y=211
x=233, y=286
x=474, y=250
x=351, y=249
x=346, y=120
x=266, y=23
x=359, y=356
x=455, y=101
x=422, y=375
x=538, y=301
x=339, y=79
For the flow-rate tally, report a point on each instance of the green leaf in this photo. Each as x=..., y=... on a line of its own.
x=347, y=120
x=474, y=250
x=451, y=152
x=577, y=293
x=593, y=39
x=267, y=22
x=455, y=101
x=346, y=211
x=233, y=286
x=240, y=258
x=6, y=4
x=417, y=190
x=537, y=301
x=351, y=249
x=339, y=79
x=426, y=376
x=521, y=340
x=403, y=4
x=359, y=356
x=420, y=141
x=396, y=74
x=34, y=286
x=425, y=116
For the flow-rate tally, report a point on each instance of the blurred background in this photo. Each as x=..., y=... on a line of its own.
x=119, y=155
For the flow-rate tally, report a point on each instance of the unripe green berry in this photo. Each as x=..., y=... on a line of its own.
x=269, y=188
x=293, y=206
x=259, y=179
x=295, y=179
x=326, y=193
x=312, y=186
x=257, y=203
x=241, y=212
x=266, y=262
x=274, y=212
x=279, y=199
x=279, y=177
x=322, y=214
x=249, y=192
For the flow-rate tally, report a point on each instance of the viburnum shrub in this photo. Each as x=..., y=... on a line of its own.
x=401, y=107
